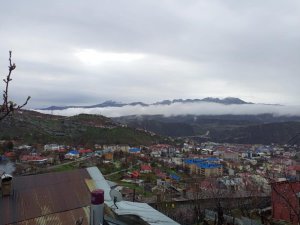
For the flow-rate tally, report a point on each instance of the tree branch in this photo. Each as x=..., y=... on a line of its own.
x=8, y=106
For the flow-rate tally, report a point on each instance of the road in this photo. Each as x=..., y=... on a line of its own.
x=67, y=163
x=119, y=171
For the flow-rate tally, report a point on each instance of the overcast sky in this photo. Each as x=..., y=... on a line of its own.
x=81, y=52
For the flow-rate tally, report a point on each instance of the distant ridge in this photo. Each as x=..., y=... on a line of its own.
x=110, y=103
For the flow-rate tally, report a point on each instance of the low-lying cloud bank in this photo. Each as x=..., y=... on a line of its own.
x=183, y=109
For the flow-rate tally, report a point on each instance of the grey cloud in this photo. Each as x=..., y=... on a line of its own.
x=193, y=49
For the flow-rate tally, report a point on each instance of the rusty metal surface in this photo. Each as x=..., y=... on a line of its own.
x=44, y=195
x=61, y=218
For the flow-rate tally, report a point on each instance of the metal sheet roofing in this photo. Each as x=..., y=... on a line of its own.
x=73, y=152
x=61, y=218
x=100, y=181
x=63, y=198
x=209, y=165
x=142, y=210
x=175, y=177
x=195, y=161
x=134, y=150
x=45, y=194
x=145, y=212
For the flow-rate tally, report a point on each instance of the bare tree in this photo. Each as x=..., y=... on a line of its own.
x=286, y=194
x=8, y=106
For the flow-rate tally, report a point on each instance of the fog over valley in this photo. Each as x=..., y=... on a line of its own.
x=199, y=108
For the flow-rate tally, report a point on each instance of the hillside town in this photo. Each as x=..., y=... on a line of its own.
x=190, y=183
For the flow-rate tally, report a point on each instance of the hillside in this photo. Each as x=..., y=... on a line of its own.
x=34, y=127
x=279, y=133
x=260, y=129
x=84, y=129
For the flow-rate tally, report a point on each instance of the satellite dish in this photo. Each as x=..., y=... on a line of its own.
x=115, y=195
x=6, y=177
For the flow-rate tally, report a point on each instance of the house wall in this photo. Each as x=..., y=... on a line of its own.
x=285, y=203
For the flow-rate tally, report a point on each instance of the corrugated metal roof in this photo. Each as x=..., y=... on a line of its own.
x=209, y=165
x=195, y=161
x=145, y=212
x=134, y=150
x=100, y=182
x=62, y=218
x=125, y=208
x=44, y=195
x=63, y=198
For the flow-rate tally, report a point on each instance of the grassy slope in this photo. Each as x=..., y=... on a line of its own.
x=33, y=127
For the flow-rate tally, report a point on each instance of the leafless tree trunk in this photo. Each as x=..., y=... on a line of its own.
x=8, y=106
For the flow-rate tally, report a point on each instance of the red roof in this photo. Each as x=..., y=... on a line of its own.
x=85, y=151
x=32, y=158
x=135, y=174
x=9, y=154
x=295, y=167
x=159, y=173
x=162, y=175
x=146, y=167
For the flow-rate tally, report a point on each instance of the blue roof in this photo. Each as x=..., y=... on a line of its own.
x=209, y=165
x=2, y=157
x=175, y=177
x=196, y=161
x=134, y=150
x=74, y=152
x=193, y=161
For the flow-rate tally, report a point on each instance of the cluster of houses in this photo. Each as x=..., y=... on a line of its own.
x=243, y=169
x=206, y=160
x=205, y=167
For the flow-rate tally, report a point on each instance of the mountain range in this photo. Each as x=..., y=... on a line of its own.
x=230, y=120
x=110, y=103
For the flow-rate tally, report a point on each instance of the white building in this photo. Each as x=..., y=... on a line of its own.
x=52, y=147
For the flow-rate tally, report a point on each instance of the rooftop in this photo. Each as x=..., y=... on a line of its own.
x=43, y=196
x=198, y=160
x=64, y=197
x=134, y=150
x=209, y=165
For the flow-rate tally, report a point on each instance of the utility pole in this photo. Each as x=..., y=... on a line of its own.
x=133, y=197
